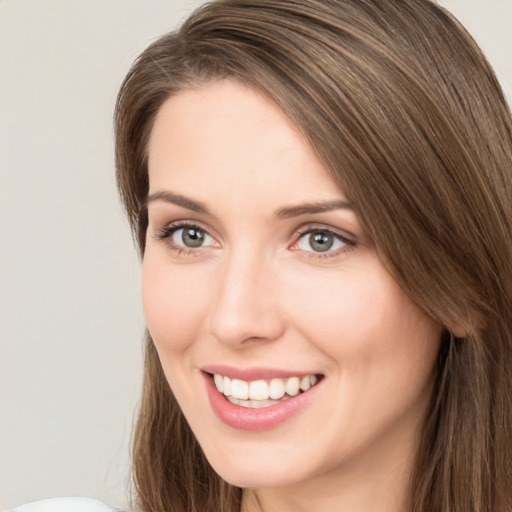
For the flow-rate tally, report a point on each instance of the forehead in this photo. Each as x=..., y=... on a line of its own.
x=229, y=139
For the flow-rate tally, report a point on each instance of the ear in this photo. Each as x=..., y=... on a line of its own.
x=458, y=332
x=465, y=327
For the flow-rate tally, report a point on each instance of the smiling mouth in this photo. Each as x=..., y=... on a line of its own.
x=263, y=393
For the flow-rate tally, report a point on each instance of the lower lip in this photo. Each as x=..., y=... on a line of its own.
x=265, y=418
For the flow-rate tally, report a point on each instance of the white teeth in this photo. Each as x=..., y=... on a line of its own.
x=305, y=384
x=260, y=393
x=276, y=389
x=219, y=382
x=292, y=386
x=226, y=385
x=258, y=390
x=239, y=389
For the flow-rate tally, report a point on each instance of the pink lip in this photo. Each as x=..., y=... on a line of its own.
x=251, y=374
x=265, y=418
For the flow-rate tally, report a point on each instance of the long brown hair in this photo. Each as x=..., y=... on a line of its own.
x=406, y=114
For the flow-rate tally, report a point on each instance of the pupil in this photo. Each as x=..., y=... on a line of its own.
x=192, y=237
x=320, y=242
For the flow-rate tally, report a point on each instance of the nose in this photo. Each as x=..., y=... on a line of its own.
x=246, y=308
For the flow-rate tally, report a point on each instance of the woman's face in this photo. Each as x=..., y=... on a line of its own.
x=258, y=276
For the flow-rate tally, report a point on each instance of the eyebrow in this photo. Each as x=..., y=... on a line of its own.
x=283, y=213
x=310, y=208
x=178, y=200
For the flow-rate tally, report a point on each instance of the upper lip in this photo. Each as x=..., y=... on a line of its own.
x=253, y=373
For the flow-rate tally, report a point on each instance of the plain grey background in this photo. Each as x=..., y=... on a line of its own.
x=70, y=315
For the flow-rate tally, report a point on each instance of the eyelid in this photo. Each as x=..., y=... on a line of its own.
x=339, y=233
x=175, y=225
x=167, y=232
x=348, y=239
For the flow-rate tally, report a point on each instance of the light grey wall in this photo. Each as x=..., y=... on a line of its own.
x=70, y=315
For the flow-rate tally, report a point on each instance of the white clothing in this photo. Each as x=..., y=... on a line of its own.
x=65, y=505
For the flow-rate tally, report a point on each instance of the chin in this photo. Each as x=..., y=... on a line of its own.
x=249, y=477
x=260, y=465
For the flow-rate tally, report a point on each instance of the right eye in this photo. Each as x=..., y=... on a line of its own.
x=191, y=237
x=185, y=236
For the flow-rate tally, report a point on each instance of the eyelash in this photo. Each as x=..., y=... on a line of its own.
x=166, y=233
x=349, y=243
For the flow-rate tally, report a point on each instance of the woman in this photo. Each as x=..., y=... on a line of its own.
x=321, y=193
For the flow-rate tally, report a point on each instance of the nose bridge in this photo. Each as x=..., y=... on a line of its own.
x=246, y=305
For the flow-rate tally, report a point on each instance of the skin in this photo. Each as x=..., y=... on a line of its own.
x=257, y=294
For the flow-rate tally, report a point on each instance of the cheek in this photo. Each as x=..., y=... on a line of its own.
x=381, y=350
x=337, y=310
x=173, y=305
x=366, y=325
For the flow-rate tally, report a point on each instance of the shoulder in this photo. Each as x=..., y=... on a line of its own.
x=65, y=505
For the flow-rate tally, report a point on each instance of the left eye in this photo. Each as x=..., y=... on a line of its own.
x=191, y=237
x=320, y=241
